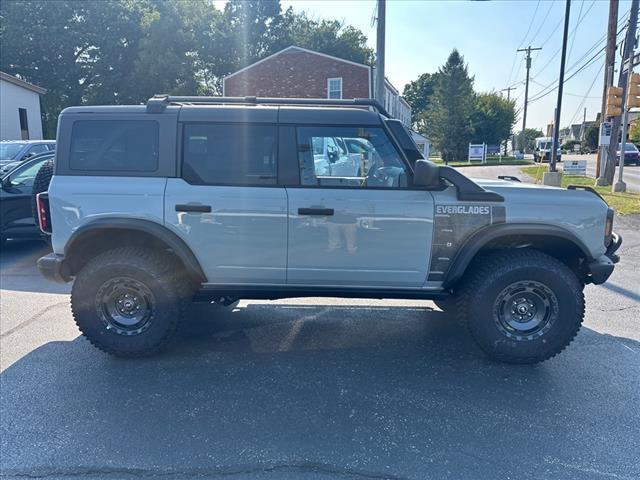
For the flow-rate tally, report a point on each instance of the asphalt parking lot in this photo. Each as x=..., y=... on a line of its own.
x=315, y=389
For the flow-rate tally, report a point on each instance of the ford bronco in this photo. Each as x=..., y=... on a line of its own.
x=219, y=199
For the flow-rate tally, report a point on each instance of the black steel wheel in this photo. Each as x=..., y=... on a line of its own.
x=125, y=306
x=521, y=306
x=525, y=310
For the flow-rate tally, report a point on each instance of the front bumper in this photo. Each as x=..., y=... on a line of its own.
x=52, y=267
x=601, y=269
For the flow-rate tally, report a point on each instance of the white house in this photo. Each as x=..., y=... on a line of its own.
x=19, y=109
x=422, y=142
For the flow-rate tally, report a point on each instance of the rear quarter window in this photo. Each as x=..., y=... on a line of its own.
x=114, y=146
x=230, y=154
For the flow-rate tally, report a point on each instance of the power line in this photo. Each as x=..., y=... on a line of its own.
x=542, y=93
x=573, y=38
x=586, y=96
x=587, y=64
x=535, y=35
x=535, y=12
x=515, y=58
x=573, y=35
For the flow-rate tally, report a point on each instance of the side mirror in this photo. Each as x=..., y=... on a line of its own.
x=426, y=174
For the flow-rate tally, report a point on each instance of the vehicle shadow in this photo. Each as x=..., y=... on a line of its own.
x=313, y=391
x=18, y=271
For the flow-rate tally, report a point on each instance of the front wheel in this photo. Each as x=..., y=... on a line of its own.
x=521, y=306
x=129, y=301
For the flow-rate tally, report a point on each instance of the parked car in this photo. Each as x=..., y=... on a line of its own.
x=7, y=167
x=631, y=154
x=186, y=198
x=17, y=218
x=20, y=150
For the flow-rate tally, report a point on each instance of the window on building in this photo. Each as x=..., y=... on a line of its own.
x=334, y=88
x=229, y=154
x=24, y=124
x=348, y=157
x=114, y=145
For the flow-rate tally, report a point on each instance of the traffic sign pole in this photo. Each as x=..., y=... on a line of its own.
x=620, y=186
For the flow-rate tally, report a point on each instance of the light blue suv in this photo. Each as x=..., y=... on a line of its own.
x=219, y=199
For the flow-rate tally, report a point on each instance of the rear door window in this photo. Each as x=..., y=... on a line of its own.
x=114, y=145
x=230, y=154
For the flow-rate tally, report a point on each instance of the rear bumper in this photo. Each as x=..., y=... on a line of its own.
x=52, y=267
x=601, y=269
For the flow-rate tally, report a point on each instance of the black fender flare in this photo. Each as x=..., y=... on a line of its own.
x=159, y=231
x=467, y=252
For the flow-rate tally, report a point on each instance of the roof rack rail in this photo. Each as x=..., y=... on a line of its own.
x=158, y=103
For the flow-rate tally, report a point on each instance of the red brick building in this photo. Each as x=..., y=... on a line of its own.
x=296, y=72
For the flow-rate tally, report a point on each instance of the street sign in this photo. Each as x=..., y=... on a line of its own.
x=576, y=147
x=493, y=149
x=575, y=167
x=605, y=134
x=477, y=152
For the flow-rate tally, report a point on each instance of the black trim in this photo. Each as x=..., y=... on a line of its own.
x=316, y=211
x=270, y=292
x=158, y=103
x=468, y=190
x=510, y=178
x=162, y=233
x=586, y=188
x=187, y=207
x=472, y=246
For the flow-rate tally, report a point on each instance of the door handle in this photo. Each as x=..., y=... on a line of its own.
x=188, y=207
x=315, y=211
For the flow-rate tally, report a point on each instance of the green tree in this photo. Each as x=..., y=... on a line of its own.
x=493, y=118
x=327, y=36
x=634, y=132
x=530, y=135
x=66, y=47
x=591, y=137
x=124, y=51
x=447, y=120
x=418, y=94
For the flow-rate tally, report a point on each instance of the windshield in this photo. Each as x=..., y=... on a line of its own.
x=544, y=145
x=8, y=151
x=629, y=147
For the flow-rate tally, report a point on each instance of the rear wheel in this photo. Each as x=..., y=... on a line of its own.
x=129, y=301
x=521, y=306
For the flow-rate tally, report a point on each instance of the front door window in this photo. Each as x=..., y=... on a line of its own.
x=349, y=157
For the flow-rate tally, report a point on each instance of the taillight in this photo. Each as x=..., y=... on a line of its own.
x=44, y=221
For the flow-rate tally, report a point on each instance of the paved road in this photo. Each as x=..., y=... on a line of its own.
x=316, y=389
x=631, y=173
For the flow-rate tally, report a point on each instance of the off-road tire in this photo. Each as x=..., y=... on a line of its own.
x=41, y=184
x=447, y=304
x=160, y=276
x=478, y=304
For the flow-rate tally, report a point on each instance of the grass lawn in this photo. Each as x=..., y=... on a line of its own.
x=623, y=203
x=491, y=161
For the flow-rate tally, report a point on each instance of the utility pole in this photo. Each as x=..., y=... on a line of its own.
x=629, y=46
x=609, y=60
x=620, y=186
x=508, y=90
x=526, y=91
x=379, y=94
x=552, y=177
